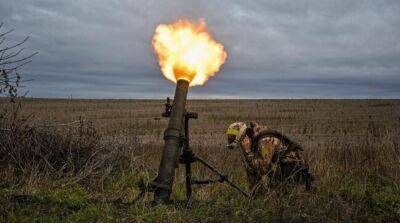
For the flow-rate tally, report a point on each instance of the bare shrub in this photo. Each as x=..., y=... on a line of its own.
x=76, y=152
x=11, y=58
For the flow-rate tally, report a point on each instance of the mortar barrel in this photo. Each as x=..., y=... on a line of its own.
x=170, y=155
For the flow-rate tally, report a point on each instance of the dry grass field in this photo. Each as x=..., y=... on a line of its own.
x=82, y=160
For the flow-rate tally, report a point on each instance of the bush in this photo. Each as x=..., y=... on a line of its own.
x=76, y=150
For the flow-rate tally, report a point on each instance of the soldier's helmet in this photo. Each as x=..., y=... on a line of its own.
x=235, y=133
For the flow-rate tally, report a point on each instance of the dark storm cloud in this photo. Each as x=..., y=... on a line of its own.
x=311, y=49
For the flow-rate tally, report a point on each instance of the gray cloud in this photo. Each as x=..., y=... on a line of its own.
x=306, y=49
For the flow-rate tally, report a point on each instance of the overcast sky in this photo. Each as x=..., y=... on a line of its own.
x=276, y=49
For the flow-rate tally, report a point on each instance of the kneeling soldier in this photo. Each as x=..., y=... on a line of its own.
x=269, y=153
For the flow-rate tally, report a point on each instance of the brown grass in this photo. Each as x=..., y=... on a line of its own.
x=352, y=147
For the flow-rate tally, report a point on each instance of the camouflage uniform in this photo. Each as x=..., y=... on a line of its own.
x=266, y=153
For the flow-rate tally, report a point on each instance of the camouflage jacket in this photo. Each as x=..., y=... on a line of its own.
x=264, y=154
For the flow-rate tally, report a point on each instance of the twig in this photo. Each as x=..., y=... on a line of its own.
x=19, y=60
x=14, y=46
x=7, y=32
x=14, y=68
x=11, y=55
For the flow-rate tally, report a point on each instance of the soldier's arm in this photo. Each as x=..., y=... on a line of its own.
x=256, y=162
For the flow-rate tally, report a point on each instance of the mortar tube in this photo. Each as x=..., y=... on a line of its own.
x=165, y=179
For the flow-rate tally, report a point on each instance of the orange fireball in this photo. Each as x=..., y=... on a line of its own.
x=187, y=51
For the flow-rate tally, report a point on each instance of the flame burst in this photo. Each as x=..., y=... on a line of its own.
x=187, y=51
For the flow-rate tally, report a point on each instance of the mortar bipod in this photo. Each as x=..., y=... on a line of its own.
x=188, y=157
